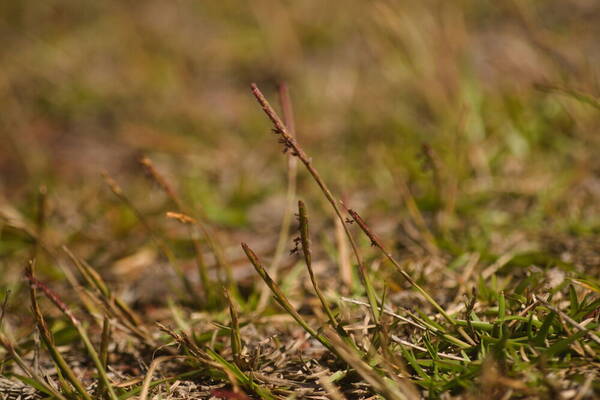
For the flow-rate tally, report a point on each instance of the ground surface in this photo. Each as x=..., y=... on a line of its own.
x=135, y=159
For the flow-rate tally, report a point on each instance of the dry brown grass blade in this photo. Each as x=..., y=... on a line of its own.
x=12, y=352
x=345, y=264
x=213, y=359
x=3, y=308
x=181, y=217
x=183, y=339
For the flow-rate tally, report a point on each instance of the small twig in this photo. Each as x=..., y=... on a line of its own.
x=181, y=217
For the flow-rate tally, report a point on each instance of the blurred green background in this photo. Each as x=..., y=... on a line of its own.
x=504, y=93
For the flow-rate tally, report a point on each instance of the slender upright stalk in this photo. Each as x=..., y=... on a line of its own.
x=290, y=144
x=236, y=340
x=305, y=240
x=292, y=169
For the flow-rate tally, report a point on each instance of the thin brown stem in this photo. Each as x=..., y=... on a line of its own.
x=292, y=172
x=290, y=144
x=305, y=240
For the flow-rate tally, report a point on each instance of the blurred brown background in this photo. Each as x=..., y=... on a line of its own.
x=87, y=86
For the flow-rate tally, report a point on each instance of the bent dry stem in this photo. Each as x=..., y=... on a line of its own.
x=292, y=169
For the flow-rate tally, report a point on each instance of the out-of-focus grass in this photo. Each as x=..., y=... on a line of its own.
x=464, y=132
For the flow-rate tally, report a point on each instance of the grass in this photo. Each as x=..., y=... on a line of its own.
x=431, y=229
